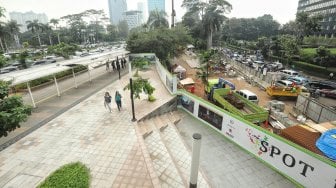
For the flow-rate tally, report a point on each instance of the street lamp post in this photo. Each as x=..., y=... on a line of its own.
x=118, y=66
x=132, y=100
x=173, y=14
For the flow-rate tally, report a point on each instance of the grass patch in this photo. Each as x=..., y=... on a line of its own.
x=74, y=175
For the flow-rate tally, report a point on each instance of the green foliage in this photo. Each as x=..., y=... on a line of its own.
x=63, y=49
x=141, y=85
x=314, y=70
x=74, y=175
x=157, y=19
x=12, y=110
x=22, y=58
x=315, y=41
x=161, y=41
x=3, y=61
x=151, y=98
x=251, y=28
x=307, y=24
x=139, y=62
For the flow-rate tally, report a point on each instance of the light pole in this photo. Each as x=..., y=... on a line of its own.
x=173, y=14
x=132, y=100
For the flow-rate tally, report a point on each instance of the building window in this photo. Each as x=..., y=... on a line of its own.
x=328, y=27
x=334, y=27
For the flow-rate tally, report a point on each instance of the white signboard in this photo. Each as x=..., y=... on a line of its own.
x=305, y=169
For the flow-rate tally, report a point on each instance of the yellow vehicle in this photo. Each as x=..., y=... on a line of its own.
x=280, y=91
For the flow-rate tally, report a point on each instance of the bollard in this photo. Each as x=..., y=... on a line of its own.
x=196, y=148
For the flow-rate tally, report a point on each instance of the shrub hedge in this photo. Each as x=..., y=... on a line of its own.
x=74, y=175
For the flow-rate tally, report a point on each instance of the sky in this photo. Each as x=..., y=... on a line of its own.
x=281, y=10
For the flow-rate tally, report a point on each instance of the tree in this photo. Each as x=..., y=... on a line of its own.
x=35, y=27
x=307, y=24
x=2, y=29
x=123, y=29
x=55, y=23
x=212, y=15
x=12, y=110
x=163, y=41
x=157, y=19
x=3, y=61
x=14, y=28
x=263, y=44
x=141, y=85
x=47, y=29
x=139, y=63
x=289, y=46
x=324, y=54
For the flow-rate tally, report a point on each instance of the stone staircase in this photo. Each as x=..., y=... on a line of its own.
x=168, y=154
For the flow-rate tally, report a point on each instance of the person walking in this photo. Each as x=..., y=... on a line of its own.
x=107, y=65
x=331, y=76
x=118, y=99
x=107, y=100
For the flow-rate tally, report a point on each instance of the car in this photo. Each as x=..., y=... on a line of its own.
x=328, y=93
x=298, y=80
x=322, y=84
x=284, y=83
x=8, y=69
x=289, y=73
x=40, y=62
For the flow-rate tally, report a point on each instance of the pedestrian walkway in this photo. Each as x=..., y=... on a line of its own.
x=112, y=147
x=106, y=142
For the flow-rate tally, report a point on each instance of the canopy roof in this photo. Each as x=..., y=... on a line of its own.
x=33, y=73
x=187, y=81
x=179, y=69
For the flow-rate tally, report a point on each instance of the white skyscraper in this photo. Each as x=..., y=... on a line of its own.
x=117, y=8
x=133, y=18
x=22, y=18
x=141, y=8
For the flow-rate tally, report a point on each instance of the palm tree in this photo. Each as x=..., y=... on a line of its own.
x=157, y=19
x=14, y=29
x=35, y=26
x=47, y=29
x=212, y=14
x=2, y=29
x=55, y=23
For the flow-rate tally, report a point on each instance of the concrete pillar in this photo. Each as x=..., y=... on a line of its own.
x=57, y=89
x=196, y=107
x=74, y=76
x=31, y=95
x=196, y=148
x=174, y=84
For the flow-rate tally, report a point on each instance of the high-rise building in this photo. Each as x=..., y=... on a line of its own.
x=117, y=9
x=141, y=8
x=156, y=5
x=133, y=18
x=22, y=18
x=326, y=8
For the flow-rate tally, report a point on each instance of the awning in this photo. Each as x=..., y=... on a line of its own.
x=187, y=81
x=179, y=69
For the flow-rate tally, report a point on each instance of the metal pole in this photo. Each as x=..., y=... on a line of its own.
x=173, y=14
x=31, y=95
x=58, y=92
x=132, y=101
x=89, y=73
x=196, y=148
x=74, y=76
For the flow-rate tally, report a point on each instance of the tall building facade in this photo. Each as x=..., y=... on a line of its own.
x=117, y=8
x=22, y=18
x=141, y=8
x=156, y=5
x=326, y=8
x=133, y=18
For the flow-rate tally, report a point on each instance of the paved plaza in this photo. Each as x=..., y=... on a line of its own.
x=111, y=145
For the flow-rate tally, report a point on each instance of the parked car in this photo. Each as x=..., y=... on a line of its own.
x=298, y=80
x=40, y=62
x=8, y=69
x=322, y=84
x=284, y=83
x=289, y=73
x=328, y=93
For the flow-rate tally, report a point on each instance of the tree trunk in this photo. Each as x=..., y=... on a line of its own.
x=2, y=47
x=209, y=40
x=58, y=38
x=50, y=40
x=6, y=48
x=39, y=39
